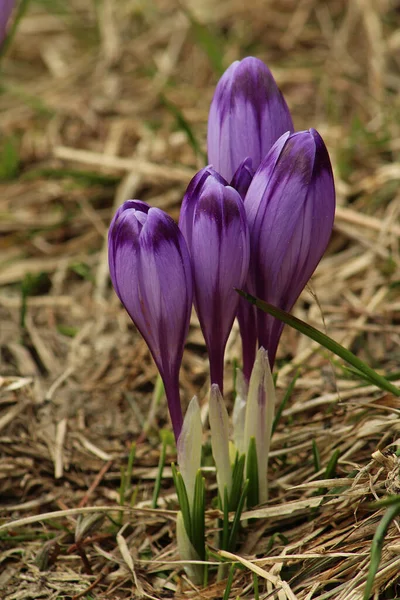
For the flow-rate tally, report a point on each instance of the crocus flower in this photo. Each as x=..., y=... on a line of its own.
x=213, y=221
x=151, y=273
x=6, y=8
x=247, y=115
x=290, y=208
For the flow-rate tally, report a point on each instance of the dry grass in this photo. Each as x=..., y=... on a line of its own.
x=81, y=104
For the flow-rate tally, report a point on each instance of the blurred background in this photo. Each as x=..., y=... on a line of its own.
x=105, y=100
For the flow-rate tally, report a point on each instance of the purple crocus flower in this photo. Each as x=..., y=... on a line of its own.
x=213, y=221
x=6, y=8
x=151, y=273
x=290, y=207
x=247, y=115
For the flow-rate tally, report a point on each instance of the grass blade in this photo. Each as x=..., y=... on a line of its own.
x=376, y=546
x=325, y=341
x=236, y=519
x=198, y=513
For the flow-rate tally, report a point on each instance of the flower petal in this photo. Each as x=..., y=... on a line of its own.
x=290, y=209
x=247, y=115
x=151, y=273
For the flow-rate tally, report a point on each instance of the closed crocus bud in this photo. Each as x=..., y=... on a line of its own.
x=6, y=8
x=213, y=221
x=151, y=274
x=290, y=207
x=247, y=115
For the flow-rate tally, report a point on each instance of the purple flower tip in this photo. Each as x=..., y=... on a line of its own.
x=247, y=115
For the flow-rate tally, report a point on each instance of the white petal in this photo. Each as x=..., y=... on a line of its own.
x=219, y=425
x=189, y=447
x=259, y=416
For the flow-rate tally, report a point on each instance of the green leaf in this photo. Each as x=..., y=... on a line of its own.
x=67, y=330
x=229, y=581
x=237, y=481
x=198, y=515
x=255, y=585
x=182, y=499
x=9, y=159
x=376, y=546
x=252, y=474
x=236, y=519
x=225, y=521
x=331, y=467
x=325, y=341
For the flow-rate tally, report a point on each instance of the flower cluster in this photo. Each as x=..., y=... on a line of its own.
x=258, y=218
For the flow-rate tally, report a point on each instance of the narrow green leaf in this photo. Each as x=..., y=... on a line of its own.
x=388, y=501
x=198, y=515
x=182, y=499
x=252, y=474
x=237, y=482
x=225, y=522
x=229, y=581
x=331, y=466
x=255, y=585
x=325, y=341
x=234, y=376
x=9, y=159
x=376, y=547
x=236, y=519
x=285, y=400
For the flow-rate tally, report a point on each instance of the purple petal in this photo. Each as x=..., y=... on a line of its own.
x=151, y=272
x=219, y=246
x=247, y=115
x=243, y=177
x=6, y=8
x=290, y=208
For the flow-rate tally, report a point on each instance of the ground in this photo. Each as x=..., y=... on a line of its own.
x=102, y=101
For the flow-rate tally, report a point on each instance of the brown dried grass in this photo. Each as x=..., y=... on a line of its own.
x=82, y=96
